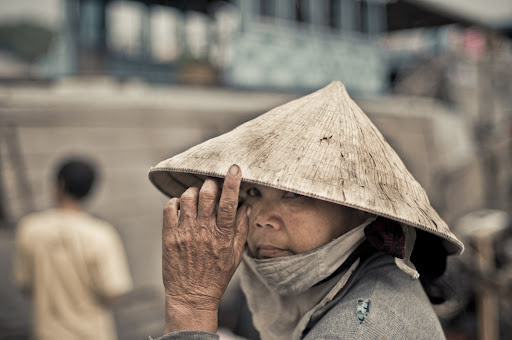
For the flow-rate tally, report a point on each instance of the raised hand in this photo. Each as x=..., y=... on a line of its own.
x=201, y=248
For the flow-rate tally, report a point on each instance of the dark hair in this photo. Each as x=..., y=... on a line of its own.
x=429, y=256
x=77, y=176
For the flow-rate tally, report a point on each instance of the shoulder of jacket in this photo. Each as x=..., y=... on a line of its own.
x=381, y=303
x=372, y=319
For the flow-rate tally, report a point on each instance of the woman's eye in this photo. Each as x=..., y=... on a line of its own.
x=253, y=192
x=291, y=195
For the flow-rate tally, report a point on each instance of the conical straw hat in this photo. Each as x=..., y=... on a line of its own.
x=321, y=145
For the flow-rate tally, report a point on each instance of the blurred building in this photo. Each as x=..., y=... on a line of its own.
x=260, y=44
x=291, y=45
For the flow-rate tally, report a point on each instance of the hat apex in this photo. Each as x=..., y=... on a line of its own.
x=321, y=145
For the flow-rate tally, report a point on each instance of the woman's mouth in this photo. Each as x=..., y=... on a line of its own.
x=267, y=251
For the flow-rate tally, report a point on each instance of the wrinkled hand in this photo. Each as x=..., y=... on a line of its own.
x=201, y=249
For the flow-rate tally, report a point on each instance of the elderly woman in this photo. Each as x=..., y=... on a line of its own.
x=335, y=238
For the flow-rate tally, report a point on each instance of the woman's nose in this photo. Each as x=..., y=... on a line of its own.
x=267, y=215
x=261, y=225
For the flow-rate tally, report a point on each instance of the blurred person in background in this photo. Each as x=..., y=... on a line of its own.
x=334, y=237
x=71, y=264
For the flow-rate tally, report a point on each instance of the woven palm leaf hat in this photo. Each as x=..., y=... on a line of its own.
x=322, y=146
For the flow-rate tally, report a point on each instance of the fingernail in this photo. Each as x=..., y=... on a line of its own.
x=234, y=170
x=248, y=210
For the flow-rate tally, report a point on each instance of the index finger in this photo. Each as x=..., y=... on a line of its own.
x=228, y=203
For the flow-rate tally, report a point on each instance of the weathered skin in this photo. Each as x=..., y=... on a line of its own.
x=201, y=250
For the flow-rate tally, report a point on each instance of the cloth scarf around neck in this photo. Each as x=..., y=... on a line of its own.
x=283, y=293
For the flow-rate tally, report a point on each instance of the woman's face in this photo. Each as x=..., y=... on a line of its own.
x=282, y=223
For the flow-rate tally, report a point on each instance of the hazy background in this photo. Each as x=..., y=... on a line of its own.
x=130, y=83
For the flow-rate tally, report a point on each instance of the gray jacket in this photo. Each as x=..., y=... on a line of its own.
x=379, y=302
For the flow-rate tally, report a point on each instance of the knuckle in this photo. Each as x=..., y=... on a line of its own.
x=190, y=194
x=227, y=212
x=208, y=193
x=171, y=204
x=169, y=224
x=203, y=222
x=168, y=237
x=229, y=206
x=171, y=242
